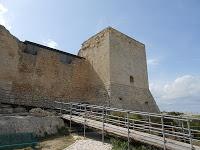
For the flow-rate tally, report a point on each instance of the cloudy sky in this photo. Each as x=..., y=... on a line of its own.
x=170, y=29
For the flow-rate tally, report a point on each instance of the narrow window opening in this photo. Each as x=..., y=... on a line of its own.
x=131, y=79
x=30, y=50
x=120, y=98
x=66, y=59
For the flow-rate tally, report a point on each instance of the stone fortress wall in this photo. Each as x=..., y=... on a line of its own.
x=120, y=62
x=35, y=74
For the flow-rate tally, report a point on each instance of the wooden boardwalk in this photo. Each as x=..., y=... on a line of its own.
x=164, y=131
x=136, y=135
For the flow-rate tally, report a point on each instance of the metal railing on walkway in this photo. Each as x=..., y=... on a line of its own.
x=183, y=129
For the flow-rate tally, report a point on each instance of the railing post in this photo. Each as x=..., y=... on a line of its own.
x=106, y=113
x=149, y=123
x=133, y=122
x=128, y=128
x=103, y=111
x=163, y=131
x=78, y=109
x=189, y=133
x=84, y=119
x=70, y=122
x=183, y=131
x=180, y=124
x=61, y=108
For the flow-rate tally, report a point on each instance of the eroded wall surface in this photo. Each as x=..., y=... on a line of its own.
x=9, y=57
x=128, y=60
x=50, y=75
x=35, y=75
x=116, y=58
x=96, y=51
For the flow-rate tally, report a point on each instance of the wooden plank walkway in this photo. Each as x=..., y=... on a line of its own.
x=136, y=135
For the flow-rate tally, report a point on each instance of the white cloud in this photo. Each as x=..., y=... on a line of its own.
x=184, y=86
x=182, y=94
x=152, y=62
x=3, y=9
x=3, y=20
x=51, y=43
x=181, y=87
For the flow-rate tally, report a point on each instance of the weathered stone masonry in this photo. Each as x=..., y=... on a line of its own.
x=110, y=69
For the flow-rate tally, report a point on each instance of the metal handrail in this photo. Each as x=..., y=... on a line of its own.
x=160, y=128
x=180, y=118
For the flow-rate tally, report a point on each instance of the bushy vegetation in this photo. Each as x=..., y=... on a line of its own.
x=119, y=144
x=194, y=124
x=196, y=116
x=174, y=113
x=124, y=114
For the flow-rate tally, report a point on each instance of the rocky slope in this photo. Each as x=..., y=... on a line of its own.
x=38, y=122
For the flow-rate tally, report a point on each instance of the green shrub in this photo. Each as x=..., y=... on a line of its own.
x=119, y=114
x=124, y=114
x=173, y=113
x=135, y=117
x=119, y=144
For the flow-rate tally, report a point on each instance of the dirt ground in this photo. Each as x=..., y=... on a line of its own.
x=56, y=143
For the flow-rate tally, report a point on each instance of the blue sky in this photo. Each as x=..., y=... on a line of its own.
x=170, y=29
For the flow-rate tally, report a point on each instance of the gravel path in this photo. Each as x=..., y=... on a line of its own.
x=89, y=144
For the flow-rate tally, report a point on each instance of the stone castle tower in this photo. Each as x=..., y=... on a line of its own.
x=110, y=69
x=120, y=62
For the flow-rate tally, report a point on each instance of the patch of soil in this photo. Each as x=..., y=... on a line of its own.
x=54, y=143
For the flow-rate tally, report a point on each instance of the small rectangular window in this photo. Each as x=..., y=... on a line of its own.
x=120, y=98
x=66, y=59
x=30, y=49
x=131, y=79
